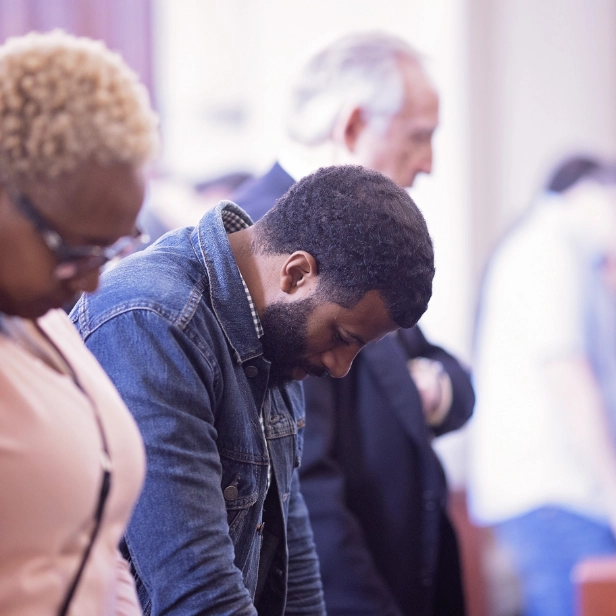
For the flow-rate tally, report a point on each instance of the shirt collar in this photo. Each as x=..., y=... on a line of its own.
x=232, y=223
x=253, y=311
x=228, y=299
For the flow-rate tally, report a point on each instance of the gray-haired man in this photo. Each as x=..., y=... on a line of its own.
x=374, y=487
x=365, y=100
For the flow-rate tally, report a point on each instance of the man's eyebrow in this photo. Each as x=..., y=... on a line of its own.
x=355, y=337
x=423, y=132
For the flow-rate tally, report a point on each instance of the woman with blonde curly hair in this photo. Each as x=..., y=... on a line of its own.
x=76, y=130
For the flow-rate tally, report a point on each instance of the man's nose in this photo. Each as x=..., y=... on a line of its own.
x=426, y=160
x=338, y=361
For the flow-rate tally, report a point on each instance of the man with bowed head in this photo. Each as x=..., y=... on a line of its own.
x=375, y=490
x=205, y=334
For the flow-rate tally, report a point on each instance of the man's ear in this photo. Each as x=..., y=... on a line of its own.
x=349, y=126
x=299, y=274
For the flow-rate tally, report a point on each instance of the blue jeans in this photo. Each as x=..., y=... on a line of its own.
x=545, y=545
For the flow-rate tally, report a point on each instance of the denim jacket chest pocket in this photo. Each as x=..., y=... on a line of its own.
x=285, y=439
x=243, y=455
x=242, y=484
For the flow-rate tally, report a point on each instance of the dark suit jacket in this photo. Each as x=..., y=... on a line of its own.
x=259, y=195
x=375, y=490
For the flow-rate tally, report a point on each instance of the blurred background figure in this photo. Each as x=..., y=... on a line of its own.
x=76, y=130
x=374, y=487
x=543, y=448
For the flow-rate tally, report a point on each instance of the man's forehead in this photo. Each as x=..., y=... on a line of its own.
x=415, y=75
x=369, y=318
x=419, y=92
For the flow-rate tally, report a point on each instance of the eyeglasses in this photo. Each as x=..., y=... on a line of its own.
x=74, y=260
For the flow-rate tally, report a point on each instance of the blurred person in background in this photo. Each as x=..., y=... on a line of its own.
x=76, y=129
x=542, y=442
x=374, y=487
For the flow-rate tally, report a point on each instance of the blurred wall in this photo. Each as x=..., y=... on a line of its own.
x=125, y=26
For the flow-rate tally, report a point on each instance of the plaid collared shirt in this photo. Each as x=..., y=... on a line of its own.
x=233, y=223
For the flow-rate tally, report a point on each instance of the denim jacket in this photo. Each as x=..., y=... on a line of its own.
x=172, y=327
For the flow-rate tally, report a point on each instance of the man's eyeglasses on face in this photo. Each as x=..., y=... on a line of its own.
x=75, y=260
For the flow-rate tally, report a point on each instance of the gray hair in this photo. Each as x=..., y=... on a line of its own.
x=361, y=70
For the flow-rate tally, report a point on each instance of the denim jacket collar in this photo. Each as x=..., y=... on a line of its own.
x=229, y=302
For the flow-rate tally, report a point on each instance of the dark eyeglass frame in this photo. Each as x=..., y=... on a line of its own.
x=90, y=257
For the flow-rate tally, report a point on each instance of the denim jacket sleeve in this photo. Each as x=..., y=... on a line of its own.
x=178, y=537
x=304, y=590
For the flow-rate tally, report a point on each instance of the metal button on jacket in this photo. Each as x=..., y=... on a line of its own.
x=251, y=371
x=230, y=493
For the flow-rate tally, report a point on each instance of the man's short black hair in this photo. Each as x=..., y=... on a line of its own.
x=365, y=234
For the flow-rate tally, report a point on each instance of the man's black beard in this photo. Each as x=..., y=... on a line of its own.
x=284, y=339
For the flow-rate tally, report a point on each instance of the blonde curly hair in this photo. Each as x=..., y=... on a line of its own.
x=65, y=100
